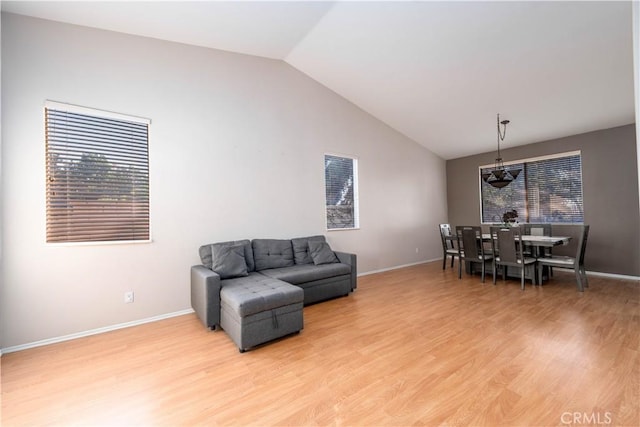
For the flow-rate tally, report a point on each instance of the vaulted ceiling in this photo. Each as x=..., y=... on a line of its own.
x=438, y=72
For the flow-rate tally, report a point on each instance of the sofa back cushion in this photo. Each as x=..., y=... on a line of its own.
x=205, y=253
x=272, y=253
x=228, y=260
x=300, y=245
x=321, y=253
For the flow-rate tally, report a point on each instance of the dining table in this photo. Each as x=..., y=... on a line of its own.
x=538, y=241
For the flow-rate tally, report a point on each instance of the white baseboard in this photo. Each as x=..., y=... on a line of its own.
x=599, y=274
x=611, y=275
x=366, y=273
x=93, y=332
x=593, y=273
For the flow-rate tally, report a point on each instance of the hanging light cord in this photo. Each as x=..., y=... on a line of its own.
x=501, y=136
x=500, y=177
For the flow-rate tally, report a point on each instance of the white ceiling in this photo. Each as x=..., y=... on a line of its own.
x=437, y=72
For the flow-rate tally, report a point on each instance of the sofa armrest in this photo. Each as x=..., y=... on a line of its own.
x=351, y=260
x=205, y=295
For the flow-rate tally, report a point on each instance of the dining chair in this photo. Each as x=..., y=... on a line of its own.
x=448, y=248
x=470, y=248
x=537, y=230
x=577, y=262
x=508, y=252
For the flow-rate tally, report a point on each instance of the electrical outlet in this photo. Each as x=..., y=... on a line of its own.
x=417, y=250
x=128, y=297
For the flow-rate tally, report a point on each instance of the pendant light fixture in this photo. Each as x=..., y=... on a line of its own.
x=500, y=177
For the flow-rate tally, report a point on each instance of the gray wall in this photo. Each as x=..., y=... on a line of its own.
x=237, y=148
x=610, y=189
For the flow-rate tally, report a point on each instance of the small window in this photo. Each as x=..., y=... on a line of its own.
x=341, y=186
x=548, y=190
x=97, y=175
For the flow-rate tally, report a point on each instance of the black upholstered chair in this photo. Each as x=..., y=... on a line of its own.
x=577, y=262
x=508, y=252
x=470, y=248
x=448, y=247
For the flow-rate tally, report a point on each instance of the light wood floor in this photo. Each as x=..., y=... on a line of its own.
x=414, y=346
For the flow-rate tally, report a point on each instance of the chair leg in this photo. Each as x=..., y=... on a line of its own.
x=540, y=270
x=579, y=279
x=579, y=284
x=452, y=258
x=483, y=271
x=495, y=271
x=585, y=281
x=534, y=278
x=522, y=277
x=459, y=269
x=444, y=262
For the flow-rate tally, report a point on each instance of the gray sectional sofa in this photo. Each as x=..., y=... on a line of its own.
x=255, y=290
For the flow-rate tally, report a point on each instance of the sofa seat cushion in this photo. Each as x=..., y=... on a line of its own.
x=256, y=293
x=307, y=273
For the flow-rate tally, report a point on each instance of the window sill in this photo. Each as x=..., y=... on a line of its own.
x=109, y=243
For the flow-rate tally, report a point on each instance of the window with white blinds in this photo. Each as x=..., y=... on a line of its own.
x=97, y=168
x=341, y=189
x=548, y=190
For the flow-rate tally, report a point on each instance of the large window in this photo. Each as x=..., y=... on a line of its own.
x=97, y=175
x=341, y=187
x=548, y=190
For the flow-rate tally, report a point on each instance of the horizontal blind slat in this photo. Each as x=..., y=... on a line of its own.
x=553, y=192
x=339, y=192
x=97, y=178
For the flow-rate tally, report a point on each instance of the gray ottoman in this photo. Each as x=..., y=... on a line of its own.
x=257, y=309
